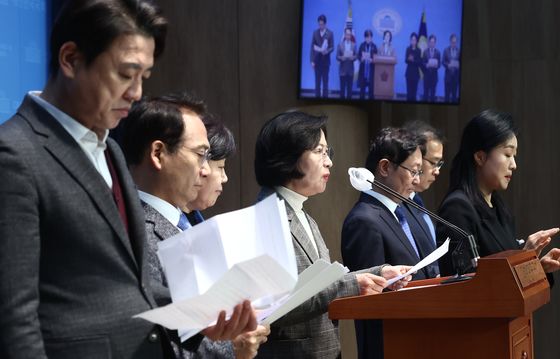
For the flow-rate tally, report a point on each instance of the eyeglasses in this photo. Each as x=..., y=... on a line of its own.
x=414, y=173
x=436, y=165
x=203, y=157
x=325, y=152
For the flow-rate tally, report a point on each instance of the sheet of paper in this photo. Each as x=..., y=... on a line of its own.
x=250, y=280
x=429, y=259
x=323, y=279
x=195, y=259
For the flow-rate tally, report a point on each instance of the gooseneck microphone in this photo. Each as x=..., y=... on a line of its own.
x=463, y=258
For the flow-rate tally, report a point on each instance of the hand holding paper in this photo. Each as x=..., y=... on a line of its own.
x=434, y=256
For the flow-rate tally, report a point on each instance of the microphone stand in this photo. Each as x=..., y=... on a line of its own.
x=458, y=256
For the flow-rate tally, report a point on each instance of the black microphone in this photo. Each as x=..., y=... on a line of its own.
x=462, y=258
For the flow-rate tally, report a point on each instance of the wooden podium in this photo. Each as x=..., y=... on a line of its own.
x=384, y=80
x=489, y=316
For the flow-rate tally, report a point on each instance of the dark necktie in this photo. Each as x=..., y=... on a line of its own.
x=117, y=191
x=399, y=212
x=183, y=222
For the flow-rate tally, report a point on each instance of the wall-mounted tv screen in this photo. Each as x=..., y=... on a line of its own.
x=391, y=50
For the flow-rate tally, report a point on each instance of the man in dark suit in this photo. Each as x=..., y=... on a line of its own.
x=431, y=146
x=72, y=246
x=431, y=59
x=166, y=147
x=322, y=44
x=379, y=229
x=451, y=62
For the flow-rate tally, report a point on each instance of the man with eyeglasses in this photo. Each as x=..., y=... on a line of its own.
x=431, y=145
x=166, y=148
x=379, y=228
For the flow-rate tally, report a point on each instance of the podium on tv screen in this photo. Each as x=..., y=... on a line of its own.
x=488, y=316
x=384, y=80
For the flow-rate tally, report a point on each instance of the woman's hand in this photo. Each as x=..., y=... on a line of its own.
x=389, y=272
x=246, y=345
x=370, y=283
x=551, y=260
x=537, y=241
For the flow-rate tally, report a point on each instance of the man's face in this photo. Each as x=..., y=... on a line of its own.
x=434, y=154
x=322, y=25
x=103, y=91
x=183, y=170
x=432, y=43
x=453, y=42
x=400, y=178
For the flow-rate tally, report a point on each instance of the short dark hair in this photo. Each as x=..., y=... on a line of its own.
x=390, y=34
x=393, y=144
x=222, y=142
x=367, y=33
x=159, y=118
x=280, y=144
x=414, y=35
x=94, y=24
x=322, y=18
x=425, y=132
x=483, y=132
x=432, y=36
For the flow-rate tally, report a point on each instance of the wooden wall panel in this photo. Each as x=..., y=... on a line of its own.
x=242, y=57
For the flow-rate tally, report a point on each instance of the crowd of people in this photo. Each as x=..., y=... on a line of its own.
x=82, y=213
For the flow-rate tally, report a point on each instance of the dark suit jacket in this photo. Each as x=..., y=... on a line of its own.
x=316, y=56
x=450, y=71
x=372, y=235
x=361, y=71
x=431, y=72
x=72, y=277
x=307, y=331
x=413, y=67
x=493, y=229
x=346, y=67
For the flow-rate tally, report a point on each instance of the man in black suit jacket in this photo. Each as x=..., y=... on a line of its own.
x=451, y=62
x=431, y=58
x=375, y=230
x=322, y=44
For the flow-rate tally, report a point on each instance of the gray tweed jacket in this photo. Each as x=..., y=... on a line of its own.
x=158, y=228
x=307, y=331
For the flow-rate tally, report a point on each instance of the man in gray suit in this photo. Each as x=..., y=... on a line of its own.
x=72, y=246
x=166, y=147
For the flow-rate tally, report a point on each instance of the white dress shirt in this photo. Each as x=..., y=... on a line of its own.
x=386, y=201
x=166, y=209
x=295, y=200
x=93, y=147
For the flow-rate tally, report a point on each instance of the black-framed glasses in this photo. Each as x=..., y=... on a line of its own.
x=414, y=173
x=325, y=152
x=436, y=165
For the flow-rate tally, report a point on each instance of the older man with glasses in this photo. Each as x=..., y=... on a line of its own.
x=380, y=229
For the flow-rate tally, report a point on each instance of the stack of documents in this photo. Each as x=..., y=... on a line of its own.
x=245, y=254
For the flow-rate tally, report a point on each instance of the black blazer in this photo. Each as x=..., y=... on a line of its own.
x=493, y=228
x=371, y=235
x=413, y=67
x=72, y=275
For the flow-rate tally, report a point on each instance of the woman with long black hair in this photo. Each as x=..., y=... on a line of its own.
x=483, y=166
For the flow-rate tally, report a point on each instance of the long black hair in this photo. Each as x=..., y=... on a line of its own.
x=484, y=132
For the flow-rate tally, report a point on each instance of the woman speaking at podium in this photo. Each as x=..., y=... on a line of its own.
x=484, y=165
